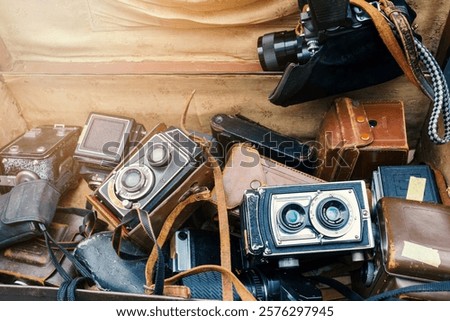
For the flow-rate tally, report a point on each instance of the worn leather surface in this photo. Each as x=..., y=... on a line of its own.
x=423, y=227
x=23, y=207
x=109, y=271
x=30, y=261
x=247, y=169
x=357, y=136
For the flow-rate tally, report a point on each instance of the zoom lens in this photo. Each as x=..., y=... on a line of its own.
x=292, y=217
x=333, y=214
x=276, y=50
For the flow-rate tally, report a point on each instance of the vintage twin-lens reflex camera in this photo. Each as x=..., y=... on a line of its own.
x=151, y=172
x=44, y=152
x=105, y=140
x=289, y=221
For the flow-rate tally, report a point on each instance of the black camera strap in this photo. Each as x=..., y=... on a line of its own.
x=440, y=286
x=68, y=288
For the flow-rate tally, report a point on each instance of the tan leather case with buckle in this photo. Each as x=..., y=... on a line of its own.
x=356, y=137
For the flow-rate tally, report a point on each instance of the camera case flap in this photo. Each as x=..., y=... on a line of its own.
x=25, y=207
x=247, y=169
x=294, y=220
x=413, y=248
x=231, y=129
x=44, y=152
x=356, y=137
x=30, y=261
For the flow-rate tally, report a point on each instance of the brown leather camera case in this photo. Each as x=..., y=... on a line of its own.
x=357, y=137
x=247, y=169
x=413, y=249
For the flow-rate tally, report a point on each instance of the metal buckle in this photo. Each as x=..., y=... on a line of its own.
x=361, y=15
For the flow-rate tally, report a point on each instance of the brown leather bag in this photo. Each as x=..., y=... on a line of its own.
x=357, y=137
x=413, y=248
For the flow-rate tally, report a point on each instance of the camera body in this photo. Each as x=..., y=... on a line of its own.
x=105, y=140
x=44, y=152
x=151, y=172
x=295, y=220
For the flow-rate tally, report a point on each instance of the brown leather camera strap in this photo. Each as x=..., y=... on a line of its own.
x=228, y=278
x=406, y=36
x=388, y=37
x=241, y=290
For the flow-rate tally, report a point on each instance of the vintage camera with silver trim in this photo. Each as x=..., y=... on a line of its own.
x=105, y=140
x=44, y=152
x=151, y=172
x=289, y=221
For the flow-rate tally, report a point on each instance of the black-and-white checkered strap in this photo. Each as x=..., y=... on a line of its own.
x=441, y=99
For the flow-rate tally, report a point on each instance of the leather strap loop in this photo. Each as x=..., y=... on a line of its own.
x=388, y=37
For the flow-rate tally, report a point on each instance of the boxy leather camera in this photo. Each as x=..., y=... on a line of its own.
x=289, y=221
x=148, y=175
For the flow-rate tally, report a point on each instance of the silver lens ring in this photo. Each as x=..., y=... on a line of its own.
x=292, y=217
x=158, y=154
x=134, y=181
x=331, y=215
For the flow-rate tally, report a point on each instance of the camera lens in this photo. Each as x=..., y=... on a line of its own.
x=333, y=214
x=276, y=50
x=292, y=217
x=132, y=180
x=158, y=155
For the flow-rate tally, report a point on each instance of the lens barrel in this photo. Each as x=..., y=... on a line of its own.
x=276, y=50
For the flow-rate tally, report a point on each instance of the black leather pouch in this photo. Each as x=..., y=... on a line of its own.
x=345, y=62
x=24, y=208
x=109, y=271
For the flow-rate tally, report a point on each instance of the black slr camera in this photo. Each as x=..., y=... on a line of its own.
x=335, y=48
x=289, y=221
x=151, y=172
x=324, y=19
